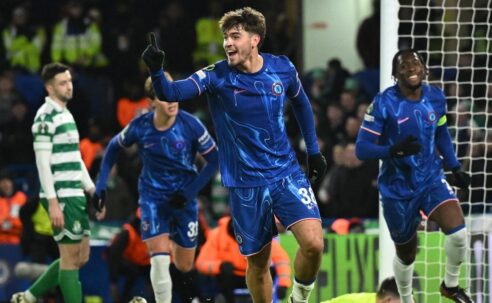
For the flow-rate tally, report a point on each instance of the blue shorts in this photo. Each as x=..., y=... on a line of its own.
x=403, y=216
x=291, y=199
x=160, y=218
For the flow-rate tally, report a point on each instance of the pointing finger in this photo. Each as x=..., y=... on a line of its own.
x=152, y=40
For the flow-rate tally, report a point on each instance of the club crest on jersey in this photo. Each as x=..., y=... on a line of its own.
x=431, y=116
x=277, y=88
x=178, y=145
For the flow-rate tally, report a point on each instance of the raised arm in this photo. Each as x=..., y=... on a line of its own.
x=166, y=91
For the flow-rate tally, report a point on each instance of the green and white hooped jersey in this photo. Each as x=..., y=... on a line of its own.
x=54, y=129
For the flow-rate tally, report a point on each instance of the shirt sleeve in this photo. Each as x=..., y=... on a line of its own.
x=366, y=146
x=303, y=111
x=43, y=131
x=205, y=142
x=180, y=90
x=374, y=118
x=129, y=135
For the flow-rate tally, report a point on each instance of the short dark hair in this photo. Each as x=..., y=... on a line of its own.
x=50, y=70
x=394, y=66
x=250, y=19
x=149, y=91
x=388, y=287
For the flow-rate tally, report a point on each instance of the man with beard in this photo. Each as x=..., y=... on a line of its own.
x=405, y=127
x=247, y=94
x=64, y=178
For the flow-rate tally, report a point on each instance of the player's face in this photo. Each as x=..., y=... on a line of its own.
x=61, y=87
x=410, y=70
x=239, y=45
x=168, y=109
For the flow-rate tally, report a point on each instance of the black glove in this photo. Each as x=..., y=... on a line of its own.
x=460, y=178
x=99, y=201
x=316, y=168
x=226, y=269
x=178, y=200
x=281, y=292
x=152, y=55
x=409, y=146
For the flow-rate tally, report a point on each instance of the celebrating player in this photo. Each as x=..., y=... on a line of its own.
x=168, y=140
x=247, y=95
x=63, y=177
x=405, y=126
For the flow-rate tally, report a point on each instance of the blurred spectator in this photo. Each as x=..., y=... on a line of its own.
x=128, y=258
x=220, y=258
x=352, y=188
x=281, y=38
x=352, y=125
x=368, y=37
x=91, y=146
x=37, y=235
x=23, y=42
x=348, y=101
x=132, y=106
x=77, y=39
x=336, y=75
x=16, y=136
x=123, y=39
x=120, y=201
x=10, y=203
x=209, y=37
x=8, y=96
x=344, y=226
x=173, y=26
x=337, y=153
x=333, y=131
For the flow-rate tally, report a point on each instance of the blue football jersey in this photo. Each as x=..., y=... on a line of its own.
x=393, y=118
x=168, y=156
x=248, y=114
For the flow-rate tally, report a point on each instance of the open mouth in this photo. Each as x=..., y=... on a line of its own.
x=231, y=54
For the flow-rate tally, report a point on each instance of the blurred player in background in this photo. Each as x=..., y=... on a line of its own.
x=168, y=140
x=405, y=126
x=64, y=178
x=247, y=95
x=387, y=293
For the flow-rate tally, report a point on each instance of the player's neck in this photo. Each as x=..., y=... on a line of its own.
x=163, y=122
x=58, y=101
x=253, y=64
x=411, y=94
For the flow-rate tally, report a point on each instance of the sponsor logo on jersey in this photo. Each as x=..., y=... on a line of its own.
x=431, y=116
x=277, y=88
x=370, y=108
x=179, y=145
x=204, y=138
x=368, y=118
x=43, y=128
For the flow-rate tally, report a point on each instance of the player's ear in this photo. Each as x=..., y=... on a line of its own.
x=256, y=40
